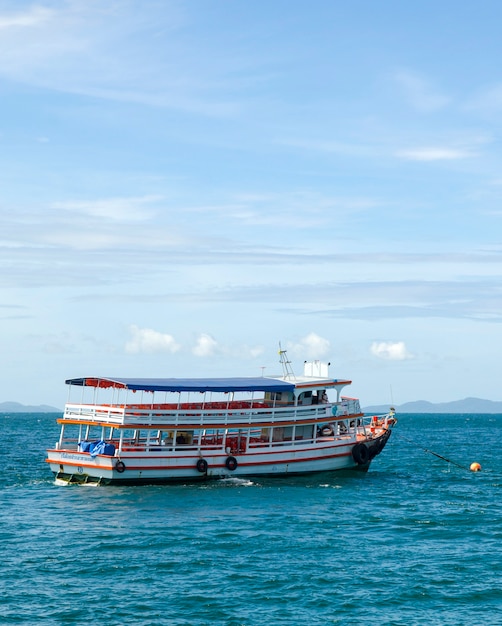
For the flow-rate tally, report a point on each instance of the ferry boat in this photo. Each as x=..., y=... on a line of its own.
x=142, y=430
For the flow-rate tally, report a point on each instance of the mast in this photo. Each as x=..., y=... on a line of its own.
x=287, y=370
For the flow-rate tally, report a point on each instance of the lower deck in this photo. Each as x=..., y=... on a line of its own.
x=115, y=441
x=155, y=455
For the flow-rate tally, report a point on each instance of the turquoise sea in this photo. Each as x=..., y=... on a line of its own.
x=416, y=540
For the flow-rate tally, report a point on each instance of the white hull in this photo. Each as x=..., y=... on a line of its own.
x=167, y=430
x=157, y=467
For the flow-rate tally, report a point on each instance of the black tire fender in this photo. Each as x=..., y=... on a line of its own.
x=202, y=466
x=231, y=463
x=120, y=467
x=361, y=454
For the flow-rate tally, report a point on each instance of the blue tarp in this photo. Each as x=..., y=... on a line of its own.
x=187, y=384
x=97, y=447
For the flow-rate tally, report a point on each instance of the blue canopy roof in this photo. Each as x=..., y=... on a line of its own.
x=186, y=384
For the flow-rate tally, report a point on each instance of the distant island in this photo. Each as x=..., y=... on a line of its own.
x=16, y=407
x=467, y=405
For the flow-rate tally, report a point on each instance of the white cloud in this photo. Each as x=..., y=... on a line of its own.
x=311, y=346
x=390, y=351
x=205, y=346
x=149, y=341
x=253, y=352
x=434, y=154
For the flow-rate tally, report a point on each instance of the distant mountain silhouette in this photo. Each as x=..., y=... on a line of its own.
x=16, y=407
x=467, y=405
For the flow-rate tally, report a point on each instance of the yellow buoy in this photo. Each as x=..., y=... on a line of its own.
x=475, y=467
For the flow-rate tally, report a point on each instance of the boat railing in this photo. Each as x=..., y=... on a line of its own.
x=231, y=445
x=233, y=440
x=112, y=413
x=348, y=406
x=146, y=416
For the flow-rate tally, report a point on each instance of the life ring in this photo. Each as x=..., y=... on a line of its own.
x=231, y=463
x=202, y=466
x=120, y=466
x=360, y=454
x=327, y=431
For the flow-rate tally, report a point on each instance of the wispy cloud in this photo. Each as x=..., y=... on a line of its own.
x=420, y=93
x=110, y=51
x=477, y=299
x=356, y=149
x=32, y=17
x=434, y=154
x=113, y=209
x=487, y=100
x=291, y=210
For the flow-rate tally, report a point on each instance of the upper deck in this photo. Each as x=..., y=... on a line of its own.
x=235, y=414
x=207, y=402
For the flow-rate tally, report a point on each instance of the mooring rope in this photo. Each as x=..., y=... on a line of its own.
x=436, y=454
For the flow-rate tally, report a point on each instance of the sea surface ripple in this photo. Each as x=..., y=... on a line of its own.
x=416, y=540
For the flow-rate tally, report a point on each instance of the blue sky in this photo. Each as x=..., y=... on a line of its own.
x=184, y=185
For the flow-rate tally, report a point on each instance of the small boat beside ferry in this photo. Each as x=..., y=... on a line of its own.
x=161, y=430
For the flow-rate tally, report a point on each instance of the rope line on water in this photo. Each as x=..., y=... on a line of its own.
x=436, y=454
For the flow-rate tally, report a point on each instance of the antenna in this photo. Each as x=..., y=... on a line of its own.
x=286, y=365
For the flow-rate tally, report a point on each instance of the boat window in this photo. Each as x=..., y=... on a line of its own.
x=305, y=397
x=305, y=431
x=279, y=397
x=275, y=396
x=278, y=433
x=184, y=437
